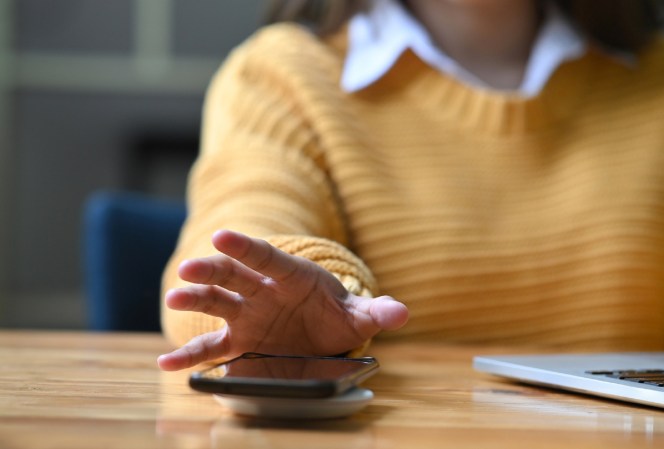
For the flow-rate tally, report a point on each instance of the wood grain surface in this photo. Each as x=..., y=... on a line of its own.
x=91, y=390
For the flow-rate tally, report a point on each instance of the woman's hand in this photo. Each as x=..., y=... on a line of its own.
x=272, y=302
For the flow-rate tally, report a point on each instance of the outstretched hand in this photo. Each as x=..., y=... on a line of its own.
x=272, y=302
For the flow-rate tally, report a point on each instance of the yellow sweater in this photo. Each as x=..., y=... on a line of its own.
x=493, y=217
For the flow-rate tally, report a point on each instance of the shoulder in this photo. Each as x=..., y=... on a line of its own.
x=288, y=38
x=283, y=82
x=284, y=53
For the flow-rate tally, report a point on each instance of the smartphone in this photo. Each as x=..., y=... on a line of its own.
x=254, y=374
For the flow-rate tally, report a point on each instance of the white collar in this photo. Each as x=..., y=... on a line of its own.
x=378, y=37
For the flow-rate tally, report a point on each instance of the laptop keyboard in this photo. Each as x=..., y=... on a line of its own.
x=645, y=376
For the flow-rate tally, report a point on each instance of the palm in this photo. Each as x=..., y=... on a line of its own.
x=273, y=302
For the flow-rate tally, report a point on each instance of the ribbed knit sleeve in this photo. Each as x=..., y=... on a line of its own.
x=263, y=170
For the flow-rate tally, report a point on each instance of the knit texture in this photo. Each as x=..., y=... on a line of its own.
x=495, y=218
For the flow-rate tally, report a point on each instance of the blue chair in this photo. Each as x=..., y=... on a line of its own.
x=128, y=238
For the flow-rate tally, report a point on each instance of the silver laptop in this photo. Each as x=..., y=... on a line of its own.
x=633, y=377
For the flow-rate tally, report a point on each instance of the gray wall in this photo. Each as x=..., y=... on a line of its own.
x=83, y=83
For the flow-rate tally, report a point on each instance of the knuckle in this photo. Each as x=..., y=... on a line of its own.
x=266, y=258
x=223, y=272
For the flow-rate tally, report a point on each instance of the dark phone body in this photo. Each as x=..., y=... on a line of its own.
x=254, y=374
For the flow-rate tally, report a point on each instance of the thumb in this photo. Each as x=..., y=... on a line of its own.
x=381, y=313
x=388, y=313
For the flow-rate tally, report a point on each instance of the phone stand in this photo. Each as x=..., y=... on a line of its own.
x=295, y=408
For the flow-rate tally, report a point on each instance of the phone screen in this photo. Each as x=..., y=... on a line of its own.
x=296, y=376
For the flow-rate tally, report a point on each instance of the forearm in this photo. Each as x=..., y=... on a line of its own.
x=267, y=187
x=263, y=171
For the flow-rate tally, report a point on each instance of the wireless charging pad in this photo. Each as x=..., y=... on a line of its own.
x=295, y=408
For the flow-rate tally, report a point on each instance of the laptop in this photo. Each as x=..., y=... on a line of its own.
x=632, y=377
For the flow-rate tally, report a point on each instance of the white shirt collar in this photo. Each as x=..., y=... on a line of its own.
x=378, y=37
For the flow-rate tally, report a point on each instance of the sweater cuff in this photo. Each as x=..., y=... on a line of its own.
x=334, y=257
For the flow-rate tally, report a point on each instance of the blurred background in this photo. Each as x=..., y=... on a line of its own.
x=95, y=95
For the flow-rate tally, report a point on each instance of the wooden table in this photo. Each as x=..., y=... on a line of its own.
x=82, y=390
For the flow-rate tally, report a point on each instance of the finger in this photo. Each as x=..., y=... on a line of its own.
x=256, y=254
x=223, y=271
x=208, y=299
x=201, y=349
x=384, y=312
x=387, y=313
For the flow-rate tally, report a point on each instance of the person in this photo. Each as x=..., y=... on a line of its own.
x=486, y=171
